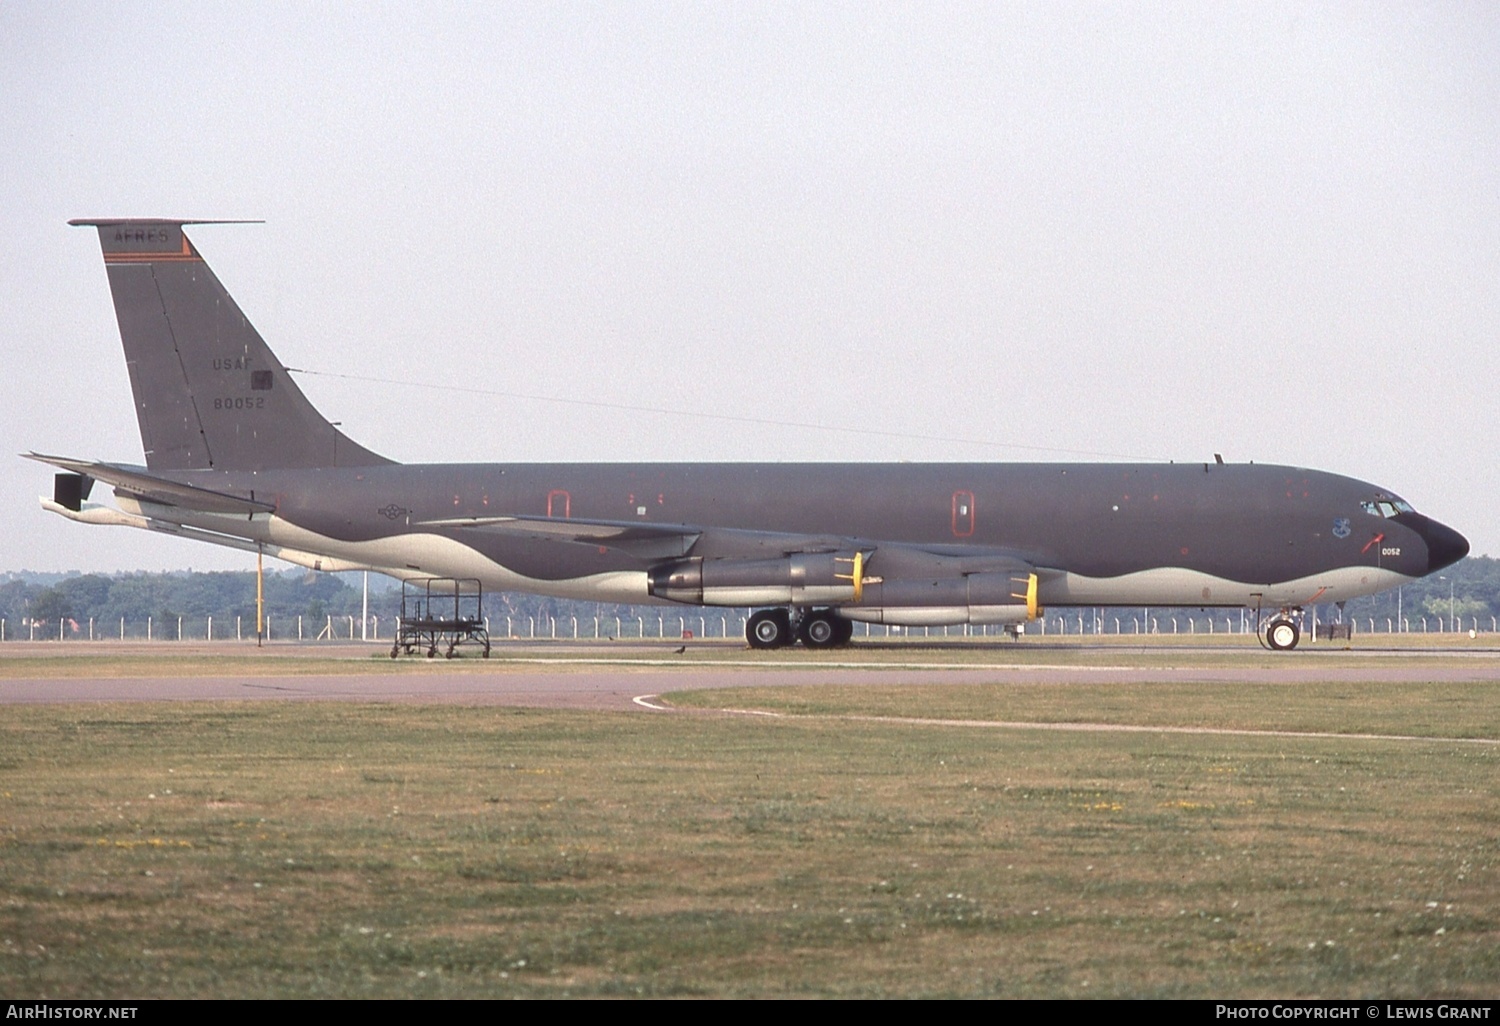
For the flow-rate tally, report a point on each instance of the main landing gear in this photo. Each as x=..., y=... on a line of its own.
x=769, y=628
x=815, y=628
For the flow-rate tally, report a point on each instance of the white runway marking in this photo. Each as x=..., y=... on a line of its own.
x=646, y=702
x=1096, y=728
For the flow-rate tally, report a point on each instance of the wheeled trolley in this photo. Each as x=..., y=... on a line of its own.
x=441, y=613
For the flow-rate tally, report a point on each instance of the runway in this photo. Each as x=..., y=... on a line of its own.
x=585, y=679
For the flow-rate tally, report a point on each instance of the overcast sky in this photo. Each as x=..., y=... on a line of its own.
x=1124, y=230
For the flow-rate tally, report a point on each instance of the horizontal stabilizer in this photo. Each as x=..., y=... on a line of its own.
x=142, y=484
x=96, y=514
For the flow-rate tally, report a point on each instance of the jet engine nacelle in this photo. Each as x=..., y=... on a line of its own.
x=993, y=598
x=836, y=579
x=801, y=579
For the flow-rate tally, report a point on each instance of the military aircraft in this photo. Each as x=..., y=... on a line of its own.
x=237, y=456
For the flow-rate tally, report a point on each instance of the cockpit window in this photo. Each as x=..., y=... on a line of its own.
x=1383, y=506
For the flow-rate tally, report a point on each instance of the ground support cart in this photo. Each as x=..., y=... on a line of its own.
x=441, y=613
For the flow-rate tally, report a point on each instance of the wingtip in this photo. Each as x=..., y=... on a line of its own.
x=56, y=461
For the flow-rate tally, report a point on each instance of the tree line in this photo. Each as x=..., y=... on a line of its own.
x=1469, y=589
x=76, y=599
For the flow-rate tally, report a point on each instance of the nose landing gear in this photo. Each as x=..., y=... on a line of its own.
x=1282, y=634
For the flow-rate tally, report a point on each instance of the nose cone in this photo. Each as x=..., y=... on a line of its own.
x=1445, y=546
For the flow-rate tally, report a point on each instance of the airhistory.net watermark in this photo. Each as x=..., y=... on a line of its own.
x=55, y=1010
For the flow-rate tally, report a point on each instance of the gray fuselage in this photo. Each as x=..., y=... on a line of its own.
x=1100, y=534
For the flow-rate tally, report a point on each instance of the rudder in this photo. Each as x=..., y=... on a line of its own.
x=209, y=393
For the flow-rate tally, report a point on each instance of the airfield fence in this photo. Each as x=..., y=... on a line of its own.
x=725, y=627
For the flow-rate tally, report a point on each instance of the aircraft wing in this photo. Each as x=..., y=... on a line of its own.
x=651, y=541
x=140, y=483
x=646, y=541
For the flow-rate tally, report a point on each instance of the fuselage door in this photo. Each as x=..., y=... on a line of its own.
x=963, y=514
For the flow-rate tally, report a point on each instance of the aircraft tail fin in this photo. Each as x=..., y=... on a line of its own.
x=209, y=393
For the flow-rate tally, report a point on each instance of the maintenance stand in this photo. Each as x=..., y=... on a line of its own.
x=441, y=611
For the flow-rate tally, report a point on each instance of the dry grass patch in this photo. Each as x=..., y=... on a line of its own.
x=231, y=850
x=1469, y=709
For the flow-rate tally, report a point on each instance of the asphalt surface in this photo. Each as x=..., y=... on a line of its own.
x=591, y=677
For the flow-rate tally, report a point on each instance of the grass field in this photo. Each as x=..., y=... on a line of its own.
x=325, y=849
